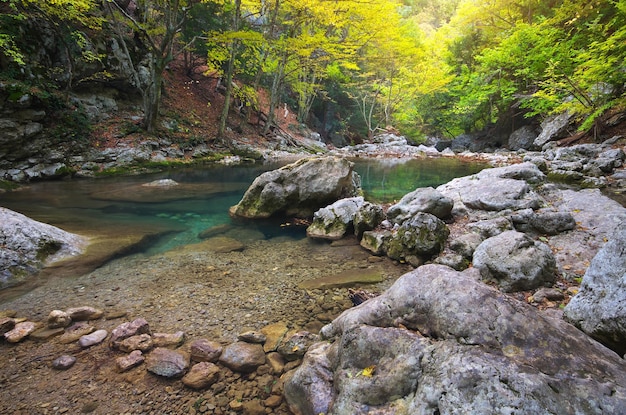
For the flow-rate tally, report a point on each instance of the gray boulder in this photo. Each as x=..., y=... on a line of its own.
x=427, y=200
x=598, y=308
x=543, y=222
x=29, y=245
x=515, y=262
x=522, y=138
x=438, y=341
x=495, y=189
x=552, y=128
x=299, y=189
x=422, y=236
x=332, y=222
x=367, y=218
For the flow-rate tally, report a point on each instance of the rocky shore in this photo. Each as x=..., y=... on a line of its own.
x=222, y=326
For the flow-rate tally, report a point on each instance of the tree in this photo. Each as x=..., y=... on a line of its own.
x=157, y=24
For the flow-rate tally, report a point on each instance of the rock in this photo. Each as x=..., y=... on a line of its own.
x=275, y=333
x=252, y=337
x=84, y=313
x=63, y=362
x=367, y=218
x=273, y=401
x=598, y=308
x=94, y=338
x=44, y=334
x=6, y=324
x=552, y=128
x=28, y=245
x=515, y=262
x=466, y=244
x=543, y=222
x=167, y=363
x=58, y=318
x=128, y=329
x=550, y=294
x=142, y=342
x=125, y=363
x=468, y=348
x=296, y=345
x=163, y=183
x=20, y=331
x=332, y=222
x=253, y=407
x=522, y=138
x=423, y=235
x=168, y=339
x=276, y=361
x=215, y=231
x=427, y=200
x=201, y=375
x=203, y=350
x=376, y=241
x=243, y=357
x=495, y=189
x=490, y=227
x=75, y=332
x=347, y=278
x=299, y=189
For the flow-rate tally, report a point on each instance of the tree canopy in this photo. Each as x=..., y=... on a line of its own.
x=425, y=67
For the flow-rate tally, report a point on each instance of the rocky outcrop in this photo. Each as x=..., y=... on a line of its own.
x=28, y=245
x=299, y=189
x=598, y=308
x=448, y=354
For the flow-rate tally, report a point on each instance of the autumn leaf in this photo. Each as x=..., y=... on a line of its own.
x=368, y=372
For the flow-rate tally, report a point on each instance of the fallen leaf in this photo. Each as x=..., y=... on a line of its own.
x=368, y=372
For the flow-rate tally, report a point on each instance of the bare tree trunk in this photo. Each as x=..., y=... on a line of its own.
x=275, y=93
x=229, y=77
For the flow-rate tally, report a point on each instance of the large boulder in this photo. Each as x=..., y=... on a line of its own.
x=28, y=245
x=598, y=308
x=427, y=200
x=439, y=341
x=495, y=189
x=299, y=189
x=515, y=261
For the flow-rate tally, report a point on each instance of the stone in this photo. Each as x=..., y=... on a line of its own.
x=367, y=218
x=274, y=333
x=58, y=318
x=203, y=350
x=273, y=401
x=63, y=362
x=142, y=342
x=296, y=345
x=20, y=331
x=550, y=294
x=466, y=244
x=84, y=313
x=347, y=278
x=172, y=340
x=376, y=241
x=299, y=189
x=458, y=344
x=75, y=332
x=252, y=337
x=167, y=363
x=92, y=339
x=44, y=334
x=28, y=245
x=543, y=222
x=332, y=222
x=243, y=357
x=423, y=235
x=491, y=227
x=426, y=200
x=253, y=407
x=552, y=128
x=276, y=362
x=598, y=308
x=6, y=324
x=201, y=375
x=522, y=138
x=128, y=329
x=515, y=262
x=125, y=363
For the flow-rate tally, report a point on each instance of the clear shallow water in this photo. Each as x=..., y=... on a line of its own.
x=202, y=198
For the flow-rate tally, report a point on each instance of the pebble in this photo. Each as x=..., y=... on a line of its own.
x=124, y=363
x=89, y=340
x=58, y=318
x=20, y=331
x=252, y=337
x=84, y=313
x=141, y=342
x=202, y=375
x=168, y=339
x=75, y=332
x=167, y=363
x=203, y=350
x=63, y=362
x=128, y=329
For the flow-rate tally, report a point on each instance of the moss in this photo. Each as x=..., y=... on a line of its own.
x=7, y=185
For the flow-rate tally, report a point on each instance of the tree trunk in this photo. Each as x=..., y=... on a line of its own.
x=152, y=97
x=275, y=93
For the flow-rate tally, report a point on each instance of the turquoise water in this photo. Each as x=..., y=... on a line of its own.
x=202, y=198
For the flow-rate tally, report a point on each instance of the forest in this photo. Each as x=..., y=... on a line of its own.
x=424, y=67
